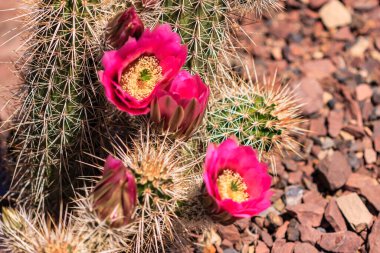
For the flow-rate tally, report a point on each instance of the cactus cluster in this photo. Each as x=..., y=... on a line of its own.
x=164, y=179
x=263, y=115
x=61, y=104
x=143, y=199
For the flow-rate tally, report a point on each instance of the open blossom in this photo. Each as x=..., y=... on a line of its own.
x=126, y=24
x=115, y=196
x=182, y=105
x=237, y=183
x=133, y=74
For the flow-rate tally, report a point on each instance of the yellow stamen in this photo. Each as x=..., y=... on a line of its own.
x=141, y=77
x=232, y=186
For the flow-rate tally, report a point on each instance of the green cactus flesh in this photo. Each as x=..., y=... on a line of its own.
x=201, y=26
x=251, y=120
x=62, y=98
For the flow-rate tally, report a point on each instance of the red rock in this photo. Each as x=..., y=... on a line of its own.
x=373, y=238
x=335, y=121
x=314, y=197
x=340, y=242
x=309, y=234
x=344, y=34
x=295, y=177
x=372, y=194
x=261, y=248
x=354, y=210
x=317, y=126
x=309, y=213
x=318, y=69
x=335, y=217
x=335, y=14
x=376, y=135
x=309, y=93
x=229, y=232
x=242, y=224
x=281, y=246
x=304, y=248
x=365, y=5
x=335, y=169
x=266, y=237
x=357, y=181
x=281, y=231
x=363, y=92
x=315, y=4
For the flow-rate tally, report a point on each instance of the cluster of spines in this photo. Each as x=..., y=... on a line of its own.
x=264, y=116
x=165, y=180
x=62, y=99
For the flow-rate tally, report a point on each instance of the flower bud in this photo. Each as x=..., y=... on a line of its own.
x=182, y=106
x=115, y=196
x=124, y=25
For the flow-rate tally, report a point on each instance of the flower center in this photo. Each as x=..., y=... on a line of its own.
x=141, y=77
x=232, y=186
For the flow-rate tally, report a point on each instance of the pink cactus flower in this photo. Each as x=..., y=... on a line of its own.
x=237, y=183
x=133, y=74
x=115, y=196
x=124, y=25
x=182, y=105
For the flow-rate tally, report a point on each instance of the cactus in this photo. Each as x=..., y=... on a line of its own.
x=265, y=116
x=165, y=180
x=29, y=232
x=62, y=100
x=208, y=27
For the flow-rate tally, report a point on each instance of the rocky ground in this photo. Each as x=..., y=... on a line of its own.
x=328, y=200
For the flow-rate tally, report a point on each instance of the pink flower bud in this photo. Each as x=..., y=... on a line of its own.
x=182, y=106
x=126, y=24
x=115, y=196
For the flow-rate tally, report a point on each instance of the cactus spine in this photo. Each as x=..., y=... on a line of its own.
x=62, y=98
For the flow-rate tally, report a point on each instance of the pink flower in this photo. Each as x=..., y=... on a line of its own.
x=126, y=24
x=236, y=181
x=115, y=196
x=133, y=74
x=182, y=106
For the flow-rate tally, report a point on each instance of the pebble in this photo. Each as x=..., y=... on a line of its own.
x=334, y=14
x=373, y=238
x=346, y=241
x=293, y=195
x=334, y=216
x=354, y=210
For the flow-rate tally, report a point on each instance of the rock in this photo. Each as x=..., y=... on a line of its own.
x=335, y=121
x=372, y=194
x=309, y=234
x=275, y=219
x=295, y=177
x=327, y=142
x=318, y=69
x=334, y=217
x=309, y=93
x=293, y=195
x=363, y=92
x=354, y=210
x=335, y=169
x=308, y=213
x=242, y=224
x=281, y=246
x=281, y=231
x=317, y=126
x=359, y=48
x=304, y=248
x=230, y=250
x=373, y=243
x=229, y=232
x=266, y=237
x=370, y=155
x=261, y=248
x=344, y=34
x=357, y=181
x=335, y=14
x=314, y=197
x=315, y=4
x=293, y=233
x=346, y=241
